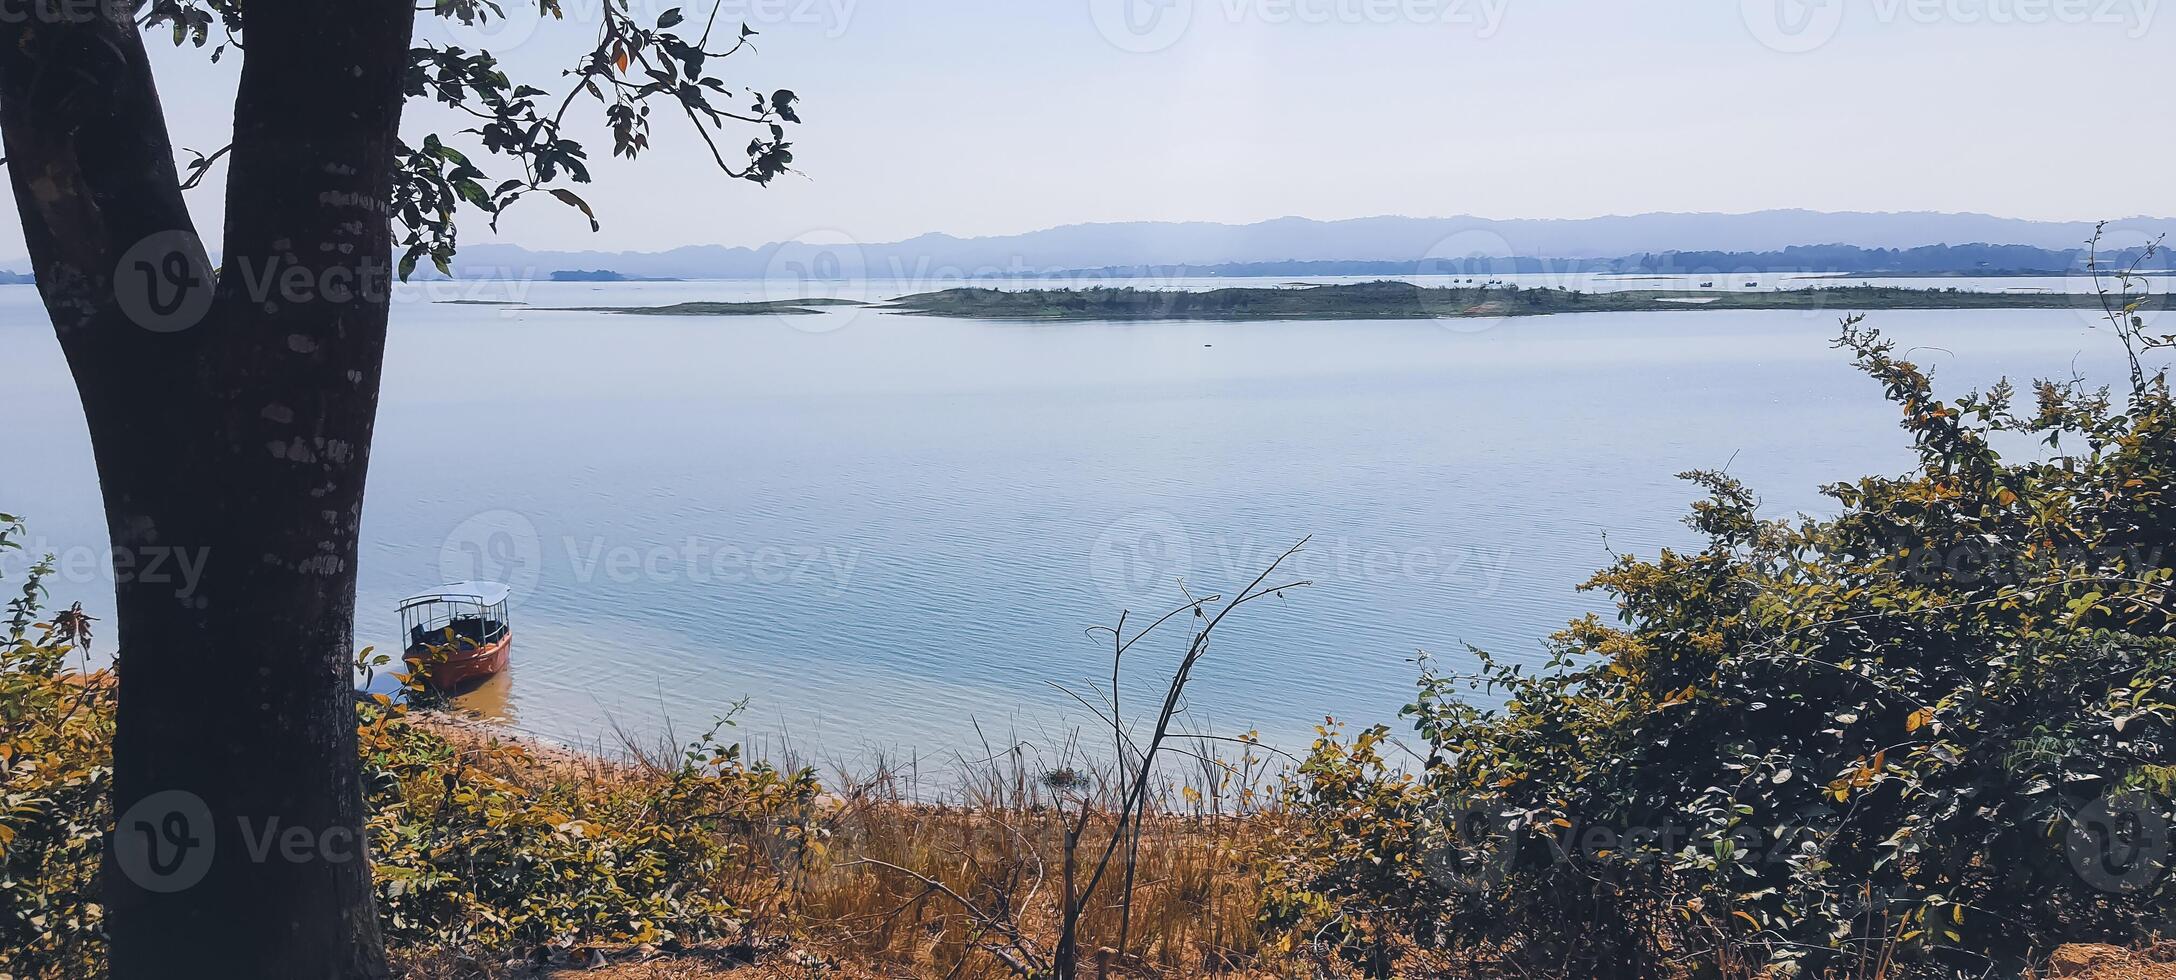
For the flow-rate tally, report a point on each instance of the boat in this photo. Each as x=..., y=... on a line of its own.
x=457, y=634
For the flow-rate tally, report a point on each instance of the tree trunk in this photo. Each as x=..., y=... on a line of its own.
x=231, y=427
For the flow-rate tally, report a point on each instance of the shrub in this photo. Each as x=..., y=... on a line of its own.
x=56, y=744
x=1930, y=735
x=477, y=846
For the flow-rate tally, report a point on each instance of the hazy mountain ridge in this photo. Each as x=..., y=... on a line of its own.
x=1356, y=246
x=1977, y=259
x=1173, y=247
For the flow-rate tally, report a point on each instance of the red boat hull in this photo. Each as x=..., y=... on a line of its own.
x=466, y=665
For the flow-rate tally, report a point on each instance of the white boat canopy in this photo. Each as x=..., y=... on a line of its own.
x=478, y=593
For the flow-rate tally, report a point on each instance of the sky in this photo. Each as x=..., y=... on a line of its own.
x=978, y=117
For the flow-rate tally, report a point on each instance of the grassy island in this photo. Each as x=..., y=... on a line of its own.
x=1402, y=300
x=793, y=307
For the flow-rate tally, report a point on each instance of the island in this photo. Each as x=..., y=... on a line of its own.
x=1390, y=299
x=603, y=275
x=788, y=307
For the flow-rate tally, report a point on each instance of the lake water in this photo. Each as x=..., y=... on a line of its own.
x=885, y=531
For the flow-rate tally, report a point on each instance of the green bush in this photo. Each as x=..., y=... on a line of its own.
x=1928, y=736
x=56, y=743
x=478, y=847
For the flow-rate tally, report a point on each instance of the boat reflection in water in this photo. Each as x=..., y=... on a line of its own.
x=492, y=698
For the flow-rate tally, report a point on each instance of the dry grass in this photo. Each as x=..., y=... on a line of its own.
x=2092, y=962
x=874, y=881
x=938, y=887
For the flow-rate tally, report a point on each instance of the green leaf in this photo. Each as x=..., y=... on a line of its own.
x=571, y=200
x=473, y=193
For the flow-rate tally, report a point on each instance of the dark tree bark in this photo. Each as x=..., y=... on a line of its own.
x=231, y=426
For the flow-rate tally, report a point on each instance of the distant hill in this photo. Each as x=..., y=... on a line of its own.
x=1926, y=260
x=1901, y=243
x=1173, y=248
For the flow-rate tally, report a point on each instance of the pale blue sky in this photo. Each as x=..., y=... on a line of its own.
x=977, y=117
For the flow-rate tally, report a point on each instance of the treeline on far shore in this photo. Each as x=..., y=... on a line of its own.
x=1392, y=299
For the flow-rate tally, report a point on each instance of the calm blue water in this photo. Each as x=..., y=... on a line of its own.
x=883, y=530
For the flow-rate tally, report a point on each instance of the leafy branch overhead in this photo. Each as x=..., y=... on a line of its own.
x=632, y=69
